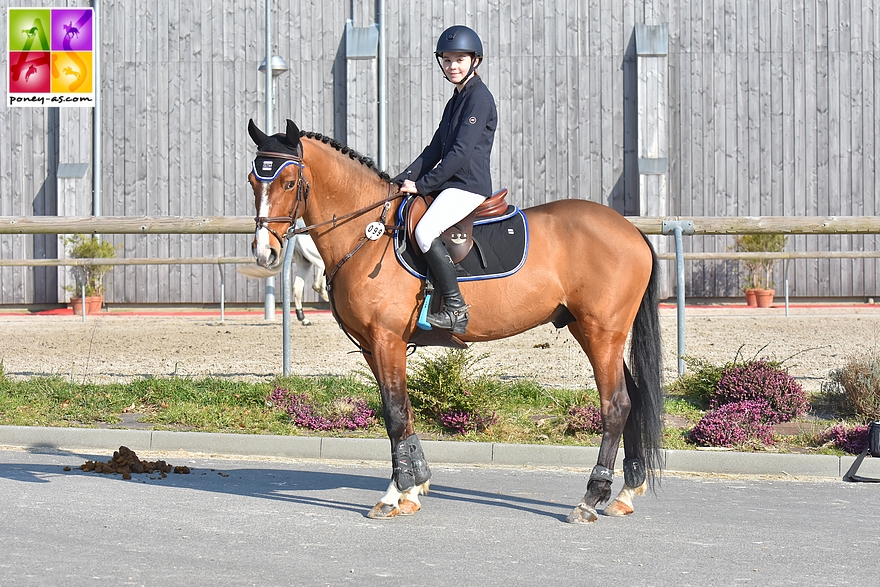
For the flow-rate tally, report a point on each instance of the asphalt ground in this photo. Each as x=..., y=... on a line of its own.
x=285, y=521
x=265, y=510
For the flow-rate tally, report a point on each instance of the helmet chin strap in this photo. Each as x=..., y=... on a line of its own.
x=475, y=62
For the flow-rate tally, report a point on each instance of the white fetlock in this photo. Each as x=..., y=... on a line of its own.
x=623, y=503
x=409, y=500
x=392, y=496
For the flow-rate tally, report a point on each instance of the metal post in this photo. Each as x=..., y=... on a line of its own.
x=785, y=273
x=677, y=228
x=381, y=70
x=222, y=292
x=96, y=111
x=269, y=310
x=285, y=308
x=83, y=301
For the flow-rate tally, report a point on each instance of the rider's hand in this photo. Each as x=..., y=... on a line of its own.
x=409, y=187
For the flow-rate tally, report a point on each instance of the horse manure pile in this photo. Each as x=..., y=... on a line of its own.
x=126, y=462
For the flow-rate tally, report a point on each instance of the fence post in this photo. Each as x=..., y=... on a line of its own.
x=222, y=291
x=285, y=307
x=677, y=228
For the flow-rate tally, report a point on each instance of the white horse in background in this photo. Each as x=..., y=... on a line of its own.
x=305, y=256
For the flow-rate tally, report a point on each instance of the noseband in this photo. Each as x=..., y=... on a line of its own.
x=302, y=193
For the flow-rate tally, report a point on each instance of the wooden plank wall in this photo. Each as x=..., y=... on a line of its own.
x=772, y=111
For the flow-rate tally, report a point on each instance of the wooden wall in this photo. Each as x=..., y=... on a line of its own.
x=771, y=111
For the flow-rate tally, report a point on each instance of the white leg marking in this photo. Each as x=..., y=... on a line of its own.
x=623, y=503
x=392, y=496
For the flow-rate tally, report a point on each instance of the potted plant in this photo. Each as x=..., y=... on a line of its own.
x=82, y=246
x=758, y=275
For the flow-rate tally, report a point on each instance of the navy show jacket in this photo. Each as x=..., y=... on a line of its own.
x=458, y=154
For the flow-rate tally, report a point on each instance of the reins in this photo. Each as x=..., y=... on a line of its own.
x=372, y=232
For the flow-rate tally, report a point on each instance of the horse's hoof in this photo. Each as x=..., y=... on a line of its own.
x=617, y=509
x=582, y=514
x=383, y=511
x=305, y=322
x=408, y=508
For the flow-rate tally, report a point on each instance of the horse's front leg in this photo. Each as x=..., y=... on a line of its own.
x=410, y=472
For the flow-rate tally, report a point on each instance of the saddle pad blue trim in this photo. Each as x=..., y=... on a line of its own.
x=514, y=214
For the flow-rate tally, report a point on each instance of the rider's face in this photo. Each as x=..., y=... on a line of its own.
x=456, y=66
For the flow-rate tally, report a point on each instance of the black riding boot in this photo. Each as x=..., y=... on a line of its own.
x=454, y=313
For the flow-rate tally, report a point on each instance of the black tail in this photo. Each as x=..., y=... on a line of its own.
x=646, y=367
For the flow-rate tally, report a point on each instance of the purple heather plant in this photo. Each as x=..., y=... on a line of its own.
x=463, y=422
x=783, y=398
x=851, y=439
x=734, y=424
x=584, y=419
x=344, y=413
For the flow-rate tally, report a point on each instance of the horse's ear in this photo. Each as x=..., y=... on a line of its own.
x=292, y=133
x=258, y=136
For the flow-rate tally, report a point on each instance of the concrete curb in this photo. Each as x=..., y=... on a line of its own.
x=462, y=453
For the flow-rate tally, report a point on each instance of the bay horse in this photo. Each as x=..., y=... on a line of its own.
x=587, y=268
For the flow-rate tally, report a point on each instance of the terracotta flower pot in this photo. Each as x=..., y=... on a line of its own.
x=751, y=298
x=764, y=297
x=93, y=305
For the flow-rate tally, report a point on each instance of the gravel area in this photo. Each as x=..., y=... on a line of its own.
x=120, y=346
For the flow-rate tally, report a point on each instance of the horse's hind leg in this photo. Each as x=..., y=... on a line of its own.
x=634, y=474
x=605, y=351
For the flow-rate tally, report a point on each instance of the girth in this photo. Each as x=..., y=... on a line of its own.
x=458, y=238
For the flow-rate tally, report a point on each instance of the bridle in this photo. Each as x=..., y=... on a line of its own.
x=302, y=199
x=302, y=194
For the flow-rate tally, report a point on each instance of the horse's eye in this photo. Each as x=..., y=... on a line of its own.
x=290, y=185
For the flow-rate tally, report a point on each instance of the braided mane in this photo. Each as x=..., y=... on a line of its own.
x=346, y=151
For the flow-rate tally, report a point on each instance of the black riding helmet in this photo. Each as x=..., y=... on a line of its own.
x=459, y=39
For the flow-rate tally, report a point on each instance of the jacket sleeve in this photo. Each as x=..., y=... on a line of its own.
x=472, y=123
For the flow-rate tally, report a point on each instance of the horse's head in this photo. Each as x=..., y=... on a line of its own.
x=279, y=190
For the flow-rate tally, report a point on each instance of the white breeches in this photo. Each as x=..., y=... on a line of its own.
x=450, y=206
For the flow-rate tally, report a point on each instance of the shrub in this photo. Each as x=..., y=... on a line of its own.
x=444, y=388
x=759, y=272
x=584, y=419
x=464, y=422
x=699, y=386
x=859, y=382
x=92, y=276
x=345, y=413
x=766, y=382
x=733, y=424
x=851, y=439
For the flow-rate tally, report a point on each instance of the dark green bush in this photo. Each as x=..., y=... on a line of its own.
x=699, y=385
x=447, y=389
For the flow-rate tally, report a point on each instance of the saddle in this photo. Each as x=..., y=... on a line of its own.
x=458, y=238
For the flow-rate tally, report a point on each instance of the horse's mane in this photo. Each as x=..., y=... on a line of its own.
x=346, y=151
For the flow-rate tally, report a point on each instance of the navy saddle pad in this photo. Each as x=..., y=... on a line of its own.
x=501, y=245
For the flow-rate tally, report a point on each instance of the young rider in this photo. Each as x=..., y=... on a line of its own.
x=454, y=167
